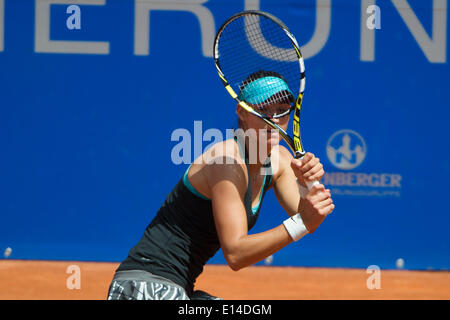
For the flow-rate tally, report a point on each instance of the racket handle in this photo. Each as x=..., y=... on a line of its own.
x=311, y=184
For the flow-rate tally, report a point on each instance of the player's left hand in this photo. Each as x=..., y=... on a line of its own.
x=308, y=168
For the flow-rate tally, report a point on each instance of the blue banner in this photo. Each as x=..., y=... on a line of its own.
x=97, y=95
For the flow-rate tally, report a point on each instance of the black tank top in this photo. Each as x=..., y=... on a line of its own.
x=182, y=237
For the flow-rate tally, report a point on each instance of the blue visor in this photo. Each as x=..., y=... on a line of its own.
x=262, y=89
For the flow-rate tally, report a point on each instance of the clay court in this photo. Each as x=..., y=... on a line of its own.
x=46, y=280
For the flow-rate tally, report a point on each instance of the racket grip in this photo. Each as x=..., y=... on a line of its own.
x=311, y=184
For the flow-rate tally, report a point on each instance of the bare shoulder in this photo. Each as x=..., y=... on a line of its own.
x=281, y=160
x=220, y=164
x=224, y=152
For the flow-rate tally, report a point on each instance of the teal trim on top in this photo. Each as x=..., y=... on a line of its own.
x=191, y=188
x=255, y=208
x=241, y=150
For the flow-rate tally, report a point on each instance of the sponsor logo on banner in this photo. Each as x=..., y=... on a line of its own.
x=347, y=150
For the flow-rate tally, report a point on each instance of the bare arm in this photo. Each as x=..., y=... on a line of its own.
x=228, y=185
x=285, y=183
x=317, y=204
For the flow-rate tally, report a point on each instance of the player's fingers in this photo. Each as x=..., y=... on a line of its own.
x=320, y=195
x=296, y=163
x=327, y=210
x=308, y=156
x=299, y=163
x=316, y=176
x=316, y=190
x=309, y=164
x=318, y=167
x=324, y=203
x=319, y=191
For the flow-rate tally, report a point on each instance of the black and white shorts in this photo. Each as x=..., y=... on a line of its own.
x=143, y=285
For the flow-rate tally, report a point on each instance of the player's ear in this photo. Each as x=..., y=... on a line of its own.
x=241, y=113
x=242, y=117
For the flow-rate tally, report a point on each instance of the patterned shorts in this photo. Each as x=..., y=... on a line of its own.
x=143, y=285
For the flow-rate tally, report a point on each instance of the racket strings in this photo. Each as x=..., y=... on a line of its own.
x=279, y=48
x=238, y=56
x=252, y=44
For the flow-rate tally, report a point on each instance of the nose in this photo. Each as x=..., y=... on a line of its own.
x=275, y=120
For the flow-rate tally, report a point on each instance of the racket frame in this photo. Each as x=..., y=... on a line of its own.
x=294, y=143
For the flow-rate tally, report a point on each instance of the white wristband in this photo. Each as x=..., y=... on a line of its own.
x=303, y=191
x=295, y=227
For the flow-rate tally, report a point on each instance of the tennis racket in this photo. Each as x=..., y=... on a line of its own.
x=261, y=66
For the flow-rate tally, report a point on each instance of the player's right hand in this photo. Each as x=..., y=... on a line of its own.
x=317, y=205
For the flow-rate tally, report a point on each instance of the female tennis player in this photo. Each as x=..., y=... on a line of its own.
x=218, y=201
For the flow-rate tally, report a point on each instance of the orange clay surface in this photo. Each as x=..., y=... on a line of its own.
x=42, y=280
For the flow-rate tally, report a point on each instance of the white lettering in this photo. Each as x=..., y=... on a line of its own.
x=198, y=136
x=395, y=180
x=250, y=135
x=206, y=311
x=373, y=180
x=42, y=31
x=142, y=22
x=212, y=133
x=351, y=179
x=74, y=21
x=384, y=180
x=321, y=31
x=361, y=179
x=73, y=281
x=435, y=47
x=184, y=147
x=374, y=20
x=367, y=41
x=374, y=281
